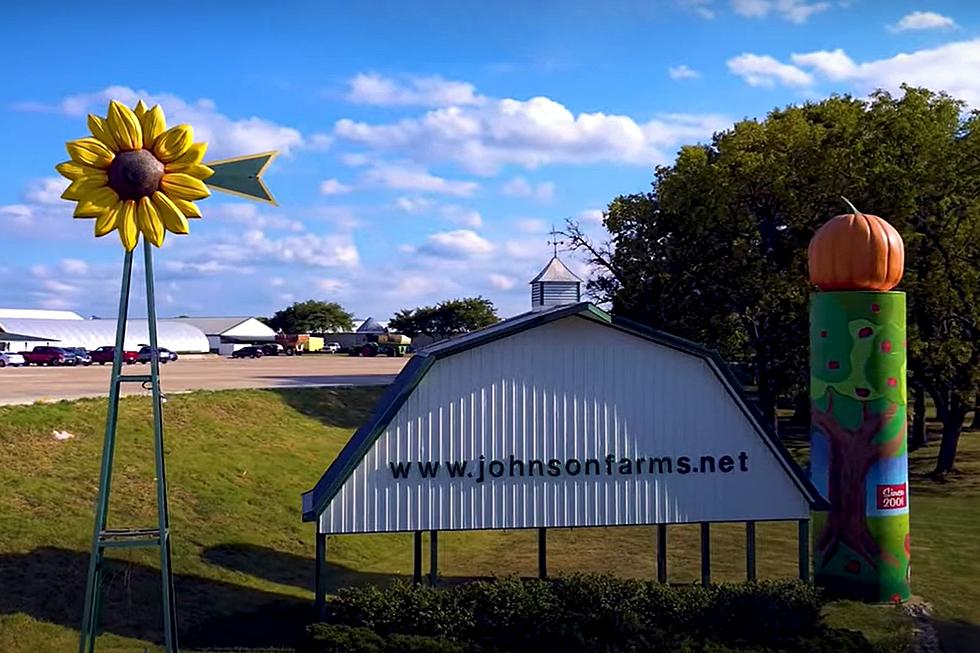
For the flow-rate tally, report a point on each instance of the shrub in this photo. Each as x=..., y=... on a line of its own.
x=592, y=613
x=418, y=644
x=331, y=638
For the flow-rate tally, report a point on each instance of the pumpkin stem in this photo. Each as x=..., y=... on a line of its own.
x=853, y=209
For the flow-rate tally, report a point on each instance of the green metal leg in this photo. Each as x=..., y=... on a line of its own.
x=93, y=585
x=163, y=513
x=103, y=537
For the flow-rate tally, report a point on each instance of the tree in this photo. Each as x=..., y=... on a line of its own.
x=446, y=319
x=312, y=316
x=716, y=252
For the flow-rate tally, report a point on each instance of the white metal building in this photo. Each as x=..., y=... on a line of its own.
x=229, y=331
x=91, y=334
x=565, y=416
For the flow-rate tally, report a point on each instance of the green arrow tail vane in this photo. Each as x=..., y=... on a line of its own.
x=242, y=176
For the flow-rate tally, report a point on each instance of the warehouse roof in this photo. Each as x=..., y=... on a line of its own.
x=214, y=326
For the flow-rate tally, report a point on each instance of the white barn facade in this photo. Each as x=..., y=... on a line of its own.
x=565, y=416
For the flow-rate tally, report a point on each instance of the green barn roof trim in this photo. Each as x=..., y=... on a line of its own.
x=316, y=500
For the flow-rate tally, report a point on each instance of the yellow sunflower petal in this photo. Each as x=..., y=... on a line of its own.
x=198, y=170
x=153, y=123
x=173, y=143
x=125, y=126
x=148, y=222
x=90, y=151
x=100, y=129
x=96, y=203
x=189, y=209
x=194, y=154
x=126, y=224
x=139, y=109
x=82, y=187
x=74, y=170
x=108, y=220
x=173, y=220
x=183, y=186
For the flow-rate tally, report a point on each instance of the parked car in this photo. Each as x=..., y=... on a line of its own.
x=12, y=359
x=106, y=353
x=251, y=351
x=332, y=347
x=82, y=356
x=45, y=355
x=165, y=355
x=272, y=349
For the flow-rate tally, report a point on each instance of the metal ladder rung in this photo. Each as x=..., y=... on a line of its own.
x=129, y=537
x=134, y=378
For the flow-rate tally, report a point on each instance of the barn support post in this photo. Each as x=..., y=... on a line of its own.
x=705, y=553
x=320, y=576
x=804, y=552
x=433, y=557
x=417, y=575
x=750, y=550
x=661, y=553
x=542, y=553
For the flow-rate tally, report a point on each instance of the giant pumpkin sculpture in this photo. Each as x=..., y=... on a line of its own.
x=857, y=389
x=856, y=251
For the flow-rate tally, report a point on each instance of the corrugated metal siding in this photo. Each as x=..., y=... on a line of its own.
x=567, y=389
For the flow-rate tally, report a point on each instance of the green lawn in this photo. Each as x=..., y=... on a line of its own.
x=238, y=462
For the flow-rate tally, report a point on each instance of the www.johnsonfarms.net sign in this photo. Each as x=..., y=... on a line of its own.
x=482, y=469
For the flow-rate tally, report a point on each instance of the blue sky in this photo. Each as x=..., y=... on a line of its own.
x=427, y=147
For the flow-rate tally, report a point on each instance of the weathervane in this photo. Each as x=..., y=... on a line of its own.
x=134, y=176
x=554, y=242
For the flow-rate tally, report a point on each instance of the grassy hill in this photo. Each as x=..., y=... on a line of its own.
x=237, y=464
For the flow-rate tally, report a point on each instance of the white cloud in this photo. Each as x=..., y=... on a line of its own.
x=461, y=215
x=526, y=250
x=371, y=88
x=308, y=249
x=462, y=243
x=47, y=190
x=763, y=70
x=413, y=205
x=702, y=8
x=529, y=133
x=407, y=176
x=251, y=216
x=411, y=286
x=225, y=136
x=334, y=187
x=331, y=285
x=794, y=11
x=683, y=71
x=73, y=266
x=501, y=282
x=593, y=216
x=947, y=67
x=921, y=20
x=520, y=187
x=531, y=226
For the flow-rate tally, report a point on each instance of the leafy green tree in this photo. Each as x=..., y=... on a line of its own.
x=446, y=319
x=716, y=252
x=312, y=316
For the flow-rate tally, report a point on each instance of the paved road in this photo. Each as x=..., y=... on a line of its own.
x=24, y=385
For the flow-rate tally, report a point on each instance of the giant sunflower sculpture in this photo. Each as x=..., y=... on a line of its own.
x=133, y=175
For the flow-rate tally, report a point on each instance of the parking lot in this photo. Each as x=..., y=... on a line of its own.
x=28, y=384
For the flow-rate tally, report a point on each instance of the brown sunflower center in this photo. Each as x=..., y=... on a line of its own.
x=135, y=174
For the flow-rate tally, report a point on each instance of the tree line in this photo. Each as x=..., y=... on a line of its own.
x=716, y=250
x=443, y=320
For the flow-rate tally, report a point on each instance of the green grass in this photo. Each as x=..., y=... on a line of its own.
x=237, y=464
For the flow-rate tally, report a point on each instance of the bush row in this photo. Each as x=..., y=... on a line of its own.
x=580, y=613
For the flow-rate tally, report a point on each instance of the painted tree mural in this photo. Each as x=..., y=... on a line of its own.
x=858, y=400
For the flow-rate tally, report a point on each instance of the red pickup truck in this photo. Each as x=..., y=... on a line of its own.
x=104, y=355
x=44, y=355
